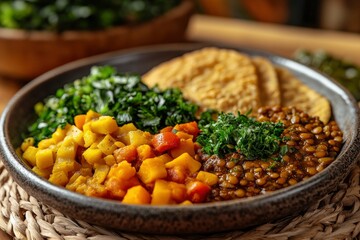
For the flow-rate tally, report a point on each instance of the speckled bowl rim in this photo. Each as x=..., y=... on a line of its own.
x=202, y=218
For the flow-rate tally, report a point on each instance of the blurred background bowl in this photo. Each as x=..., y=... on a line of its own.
x=26, y=54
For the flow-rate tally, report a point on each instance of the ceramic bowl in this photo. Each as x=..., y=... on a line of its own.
x=200, y=218
x=23, y=53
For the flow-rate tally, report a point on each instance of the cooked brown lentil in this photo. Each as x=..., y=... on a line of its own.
x=312, y=146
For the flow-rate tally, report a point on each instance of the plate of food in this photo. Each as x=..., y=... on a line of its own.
x=180, y=138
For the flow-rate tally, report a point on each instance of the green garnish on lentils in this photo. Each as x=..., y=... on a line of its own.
x=241, y=133
x=107, y=92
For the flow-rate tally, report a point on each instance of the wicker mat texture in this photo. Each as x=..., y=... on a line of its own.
x=336, y=216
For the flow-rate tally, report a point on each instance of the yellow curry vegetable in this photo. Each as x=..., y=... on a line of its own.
x=96, y=157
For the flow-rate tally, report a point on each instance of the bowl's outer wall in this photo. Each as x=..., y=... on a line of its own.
x=174, y=219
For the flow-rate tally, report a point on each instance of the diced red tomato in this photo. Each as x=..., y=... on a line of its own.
x=197, y=191
x=165, y=141
x=190, y=128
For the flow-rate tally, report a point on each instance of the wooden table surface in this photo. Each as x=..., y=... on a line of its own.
x=283, y=40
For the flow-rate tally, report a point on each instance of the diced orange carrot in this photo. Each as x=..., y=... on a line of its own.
x=190, y=128
x=79, y=120
x=166, y=129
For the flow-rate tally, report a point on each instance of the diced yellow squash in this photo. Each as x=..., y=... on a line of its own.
x=107, y=145
x=122, y=170
x=100, y=173
x=45, y=173
x=27, y=143
x=124, y=129
x=144, y=152
x=30, y=155
x=46, y=143
x=119, y=144
x=161, y=194
x=186, y=202
x=110, y=160
x=165, y=157
x=85, y=171
x=178, y=191
x=95, y=190
x=208, y=178
x=81, y=188
x=65, y=165
x=89, y=137
x=59, y=178
x=186, y=145
x=91, y=115
x=76, y=134
x=184, y=135
x=104, y=125
x=75, y=181
x=60, y=133
x=122, y=132
x=152, y=169
x=139, y=137
x=74, y=177
x=93, y=155
x=137, y=195
x=97, y=141
x=67, y=149
x=185, y=160
x=86, y=127
x=44, y=158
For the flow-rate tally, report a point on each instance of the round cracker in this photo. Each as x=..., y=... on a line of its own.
x=213, y=78
x=295, y=93
x=268, y=82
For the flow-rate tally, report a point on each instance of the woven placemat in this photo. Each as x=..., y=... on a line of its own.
x=336, y=216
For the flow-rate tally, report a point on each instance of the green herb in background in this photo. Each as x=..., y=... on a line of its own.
x=60, y=15
x=123, y=96
x=347, y=74
x=229, y=133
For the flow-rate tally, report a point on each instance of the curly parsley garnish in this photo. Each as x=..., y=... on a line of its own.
x=253, y=139
x=107, y=92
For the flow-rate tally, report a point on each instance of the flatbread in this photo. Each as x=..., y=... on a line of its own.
x=295, y=93
x=229, y=81
x=268, y=82
x=213, y=78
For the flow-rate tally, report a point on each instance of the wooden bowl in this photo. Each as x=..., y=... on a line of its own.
x=26, y=54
